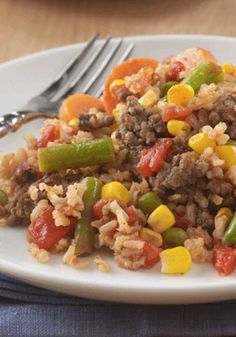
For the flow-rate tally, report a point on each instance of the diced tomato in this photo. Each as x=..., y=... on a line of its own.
x=45, y=234
x=133, y=216
x=111, y=233
x=182, y=221
x=224, y=259
x=141, y=81
x=98, y=207
x=151, y=159
x=75, y=131
x=176, y=112
x=40, y=175
x=50, y=134
x=152, y=254
x=176, y=68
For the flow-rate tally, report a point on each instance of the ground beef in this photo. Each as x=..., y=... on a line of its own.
x=229, y=201
x=3, y=212
x=92, y=121
x=140, y=128
x=61, y=178
x=225, y=189
x=224, y=111
x=179, y=145
x=204, y=218
x=155, y=182
x=196, y=215
x=183, y=186
x=226, y=106
x=184, y=170
x=20, y=208
x=25, y=176
x=181, y=182
x=122, y=93
x=199, y=216
x=220, y=187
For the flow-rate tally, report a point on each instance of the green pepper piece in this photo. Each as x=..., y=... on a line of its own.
x=229, y=237
x=3, y=198
x=165, y=87
x=68, y=156
x=207, y=73
x=148, y=202
x=84, y=233
x=174, y=237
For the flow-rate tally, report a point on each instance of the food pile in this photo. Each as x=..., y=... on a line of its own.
x=148, y=170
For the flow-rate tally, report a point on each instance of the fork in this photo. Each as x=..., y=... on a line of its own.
x=46, y=103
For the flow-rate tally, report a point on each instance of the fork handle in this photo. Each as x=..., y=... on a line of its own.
x=13, y=121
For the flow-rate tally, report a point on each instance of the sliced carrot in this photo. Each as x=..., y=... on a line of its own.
x=73, y=105
x=122, y=70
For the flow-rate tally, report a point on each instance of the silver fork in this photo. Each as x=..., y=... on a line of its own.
x=46, y=103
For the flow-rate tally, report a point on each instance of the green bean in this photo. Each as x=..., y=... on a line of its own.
x=229, y=237
x=84, y=233
x=68, y=156
x=3, y=198
x=207, y=73
x=165, y=87
x=219, y=78
x=148, y=202
x=174, y=237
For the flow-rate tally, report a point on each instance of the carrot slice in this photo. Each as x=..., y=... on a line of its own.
x=122, y=70
x=73, y=105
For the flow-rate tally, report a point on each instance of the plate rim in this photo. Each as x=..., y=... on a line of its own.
x=126, y=38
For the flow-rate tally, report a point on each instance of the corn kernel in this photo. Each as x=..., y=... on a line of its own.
x=229, y=69
x=161, y=219
x=180, y=94
x=200, y=142
x=148, y=99
x=115, y=191
x=116, y=83
x=227, y=153
x=118, y=112
x=178, y=128
x=175, y=260
x=151, y=236
x=74, y=122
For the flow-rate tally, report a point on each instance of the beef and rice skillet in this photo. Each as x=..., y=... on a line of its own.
x=148, y=171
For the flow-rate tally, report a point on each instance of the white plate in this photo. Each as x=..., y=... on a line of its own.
x=21, y=79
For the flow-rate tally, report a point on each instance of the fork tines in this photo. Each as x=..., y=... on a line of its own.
x=84, y=70
x=85, y=73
